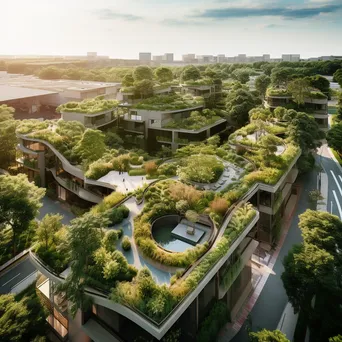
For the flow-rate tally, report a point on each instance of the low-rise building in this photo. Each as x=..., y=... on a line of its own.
x=316, y=104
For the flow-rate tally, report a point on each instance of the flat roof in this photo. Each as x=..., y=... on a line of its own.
x=8, y=93
x=29, y=81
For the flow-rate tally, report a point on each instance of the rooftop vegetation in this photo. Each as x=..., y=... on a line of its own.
x=196, y=120
x=314, y=94
x=200, y=169
x=169, y=102
x=200, y=82
x=92, y=106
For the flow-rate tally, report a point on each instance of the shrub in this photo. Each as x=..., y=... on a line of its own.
x=110, y=239
x=120, y=233
x=219, y=206
x=212, y=324
x=108, y=202
x=126, y=243
x=137, y=172
x=98, y=169
x=150, y=167
x=117, y=215
x=180, y=191
x=78, y=211
x=167, y=169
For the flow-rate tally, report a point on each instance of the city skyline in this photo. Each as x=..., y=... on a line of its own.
x=121, y=31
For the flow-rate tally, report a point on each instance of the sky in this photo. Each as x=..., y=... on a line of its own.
x=123, y=28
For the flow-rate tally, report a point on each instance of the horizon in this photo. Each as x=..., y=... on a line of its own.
x=121, y=31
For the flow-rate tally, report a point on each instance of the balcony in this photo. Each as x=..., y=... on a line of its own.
x=100, y=123
x=29, y=163
x=76, y=188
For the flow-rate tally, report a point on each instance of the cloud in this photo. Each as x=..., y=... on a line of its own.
x=273, y=26
x=284, y=12
x=183, y=22
x=108, y=14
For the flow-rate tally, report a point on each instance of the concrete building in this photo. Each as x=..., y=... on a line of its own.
x=221, y=58
x=290, y=58
x=168, y=57
x=189, y=58
x=61, y=91
x=158, y=58
x=145, y=56
x=26, y=101
x=316, y=104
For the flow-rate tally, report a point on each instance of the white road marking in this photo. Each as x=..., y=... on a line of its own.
x=340, y=178
x=335, y=179
x=11, y=279
x=338, y=204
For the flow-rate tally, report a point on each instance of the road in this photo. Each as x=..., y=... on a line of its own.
x=269, y=307
x=334, y=201
x=23, y=269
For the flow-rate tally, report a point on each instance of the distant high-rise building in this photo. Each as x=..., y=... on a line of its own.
x=158, y=58
x=241, y=58
x=221, y=58
x=266, y=58
x=189, y=58
x=168, y=57
x=145, y=56
x=290, y=58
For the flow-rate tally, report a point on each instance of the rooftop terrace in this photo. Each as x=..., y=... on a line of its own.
x=92, y=106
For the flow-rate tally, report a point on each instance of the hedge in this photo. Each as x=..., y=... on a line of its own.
x=137, y=172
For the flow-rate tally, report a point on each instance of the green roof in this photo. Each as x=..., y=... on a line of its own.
x=92, y=106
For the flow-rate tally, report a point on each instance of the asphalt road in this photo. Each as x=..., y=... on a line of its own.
x=270, y=305
x=334, y=201
x=23, y=269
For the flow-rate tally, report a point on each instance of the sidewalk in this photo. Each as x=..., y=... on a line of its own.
x=232, y=328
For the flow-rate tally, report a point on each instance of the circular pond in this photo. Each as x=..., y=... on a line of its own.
x=170, y=233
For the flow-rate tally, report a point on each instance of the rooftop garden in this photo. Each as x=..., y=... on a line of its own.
x=91, y=106
x=200, y=168
x=196, y=120
x=170, y=102
x=314, y=94
x=200, y=82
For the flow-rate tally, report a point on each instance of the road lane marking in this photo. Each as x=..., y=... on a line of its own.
x=335, y=179
x=338, y=204
x=340, y=178
x=11, y=279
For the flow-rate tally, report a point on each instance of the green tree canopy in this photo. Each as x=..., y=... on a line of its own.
x=128, y=80
x=164, y=74
x=242, y=75
x=319, y=82
x=338, y=77
x=334, y=137
x=50, y=73
x=19, y=204
x=6, y=113
x=144, y=88
x=8, y=142
x=190, y=73
x=261, y=84
x=91, y=146
x=281, y=76
x=48, y=226
x=141, y=73
x=239, y=103
x=300, y=90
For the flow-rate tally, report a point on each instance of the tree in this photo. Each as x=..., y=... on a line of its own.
x=8, y=142
x=83, y=231
x=128, y=80
x=239, y=103
x=141, y=73
x=164, y=74
x=261, y=84
x=281, y=76
x=334, y=137
x=319, y=82
x=50, y=73
x=267, y=68
x=13, y=318
x=190, y=73
x=268, y=336
x=144, y=88
x=19, y=204
x=48, y=226
x=113, y=140
x=6, y=113
x=300, y=90
x=312, y=276
x=91, y=146
x=338, y=77
x=242, y=75
x=192, y=216
x=304, y=131
x=16, y=68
